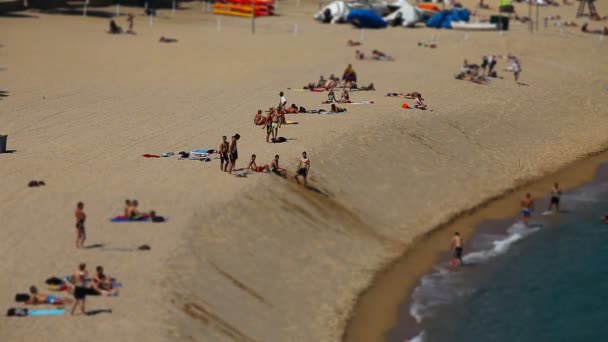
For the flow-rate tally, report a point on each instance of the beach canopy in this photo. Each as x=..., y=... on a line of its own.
x=365, y=18
x=444, y=19
x=335, y=12
x=407, y=15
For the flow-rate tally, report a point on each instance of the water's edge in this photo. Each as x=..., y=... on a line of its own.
x=376, y=310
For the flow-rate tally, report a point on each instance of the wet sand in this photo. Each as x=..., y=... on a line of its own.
x=377, y=307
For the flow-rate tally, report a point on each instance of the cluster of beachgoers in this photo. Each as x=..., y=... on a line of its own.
x=480, y=74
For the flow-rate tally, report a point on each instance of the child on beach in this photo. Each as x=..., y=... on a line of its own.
x=81, y=217
x=331, y=97
x=344, y=98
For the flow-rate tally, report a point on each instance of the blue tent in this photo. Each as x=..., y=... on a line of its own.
x=365, y=18
x=444, y=19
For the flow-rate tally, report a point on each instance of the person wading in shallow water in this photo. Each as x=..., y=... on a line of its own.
x=556, y=192
x=456, y=246
x=527, y=205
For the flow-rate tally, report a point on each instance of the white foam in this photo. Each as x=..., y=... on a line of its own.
x=417, y=338
x=444, y=284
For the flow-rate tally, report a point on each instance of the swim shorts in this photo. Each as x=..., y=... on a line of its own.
x=555, y=200
x=302, y=172
x=526, y=212
x=458, y=252
x=275, y=125
x=234, y=156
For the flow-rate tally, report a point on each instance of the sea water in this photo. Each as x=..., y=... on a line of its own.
x=547, y=282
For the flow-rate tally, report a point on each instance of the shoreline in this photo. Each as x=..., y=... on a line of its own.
x=392, y=285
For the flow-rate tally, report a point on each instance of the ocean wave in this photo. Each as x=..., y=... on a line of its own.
x=444, y=284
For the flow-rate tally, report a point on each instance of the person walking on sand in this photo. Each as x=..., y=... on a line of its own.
x=556, y=192
x=80, y=289
x=456, y=246
x=130, y=21
x=223, y=149
x=233, y=152
x=303, y=168
x=282, y=102
x=81, y=217
x=527, y=205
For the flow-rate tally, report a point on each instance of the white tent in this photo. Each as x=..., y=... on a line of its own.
x=335, y=12
x=406, y=15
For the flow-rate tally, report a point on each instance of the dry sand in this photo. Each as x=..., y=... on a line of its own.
x=258, y=258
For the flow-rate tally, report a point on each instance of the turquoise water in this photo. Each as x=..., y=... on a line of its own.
x=545, y=283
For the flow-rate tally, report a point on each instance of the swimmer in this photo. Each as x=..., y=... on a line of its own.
x=527, y=205
x=456, y=246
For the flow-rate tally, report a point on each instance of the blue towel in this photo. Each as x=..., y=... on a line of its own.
x=124, y=219
x=46, y=312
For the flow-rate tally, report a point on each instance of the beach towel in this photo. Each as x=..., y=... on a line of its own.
x=150, y=155
x=22, y=312
x=127, y=219
x=361, y=102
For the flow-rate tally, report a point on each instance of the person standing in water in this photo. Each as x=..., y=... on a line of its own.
x=556, y=192
x=303, y=168
x=81, y=217
x=224, y=160
x=527, y=205
x=456, y=246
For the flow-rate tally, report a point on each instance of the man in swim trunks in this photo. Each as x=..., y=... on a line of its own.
x=81, y=217
x=276, y=123
x=303, y=168
x=556, y=192
x=253, y=167
x=80, y=290
x=233, y=152
x=456, y=246
x=223, y=149
x=269, y=125
x=527, y=205
x=276, y=169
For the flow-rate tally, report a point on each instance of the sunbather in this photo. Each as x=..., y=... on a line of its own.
x=336, y=109
x=381, y=56
x=38, y=298
x=259, y=119
x=102, y=283
x=293, y=109
x=359, y=55
x=418, y=102
x=134, y=212
x=114, y=28
x=344, y=98
x=331, y=97
x=276, y=169
x=164, y=39
x=253, y=167
x=127, y=209
x=352, y=43
x=370, y=87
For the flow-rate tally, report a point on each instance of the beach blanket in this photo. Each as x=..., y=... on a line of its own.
x=127, y=219
x=360, y=102
x=23, y=312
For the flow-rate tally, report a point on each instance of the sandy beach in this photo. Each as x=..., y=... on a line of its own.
x=259, y=258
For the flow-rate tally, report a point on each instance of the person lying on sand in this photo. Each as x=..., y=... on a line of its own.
x=359, y=55
x=164, y=39
x=585, y=29
x=344, y=98
x=331, y=97
x=411, y=95
x=381, y=56
x=352, y=43
x=38, y=298
x=253, y=167
x=336, y=109
x=293, y=109
x=369, y=87
x=114, y=28
x=276, y=168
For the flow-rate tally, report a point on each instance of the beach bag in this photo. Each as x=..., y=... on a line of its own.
x=302, y=109
x=22, y=297
x=158, y=219
x=54, y=281
x=16, y=312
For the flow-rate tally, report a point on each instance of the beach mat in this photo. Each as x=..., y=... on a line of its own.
x=361, y=102
x=46, y=312
x=126, y=219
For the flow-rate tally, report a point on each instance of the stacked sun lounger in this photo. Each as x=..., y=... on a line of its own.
x=245, y=8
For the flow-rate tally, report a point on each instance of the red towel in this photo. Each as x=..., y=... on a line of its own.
x=150, y=156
